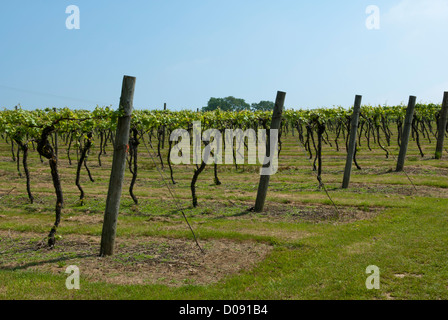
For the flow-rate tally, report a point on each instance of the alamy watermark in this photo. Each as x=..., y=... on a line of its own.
x=373, y=281
x=234, y=148
x=373, y=20
x=72, y=281
x=73, y=21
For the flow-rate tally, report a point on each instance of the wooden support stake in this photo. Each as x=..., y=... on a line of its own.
x=442, y=126
x=352, y=142
x=118, y=167
x=56, y=140
x=163, y=129
x=264, y=179
x=406, y=133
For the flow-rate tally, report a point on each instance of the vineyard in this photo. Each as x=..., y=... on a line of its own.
x=56, y=164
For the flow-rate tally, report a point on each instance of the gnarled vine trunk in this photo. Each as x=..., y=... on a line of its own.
x=45, y=150
x=24, y=147
x=197, y=172
x=81, y=161
x=133, y=167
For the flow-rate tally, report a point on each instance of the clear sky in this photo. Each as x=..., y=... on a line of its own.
x=185, y=51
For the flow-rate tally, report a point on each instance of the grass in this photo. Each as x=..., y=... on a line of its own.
x=315, y=254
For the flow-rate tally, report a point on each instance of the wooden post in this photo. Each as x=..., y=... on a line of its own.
x=118, y=167
x=55, y=140
x=406, y=133
x=442, y=126
x=264, y=179
x=352, y=142
x=163, y=129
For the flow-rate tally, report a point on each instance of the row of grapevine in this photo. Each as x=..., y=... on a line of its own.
x=80, y=129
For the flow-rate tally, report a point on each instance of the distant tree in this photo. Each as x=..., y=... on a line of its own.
x=263, y=106
x=226, y=104
x=215, y=103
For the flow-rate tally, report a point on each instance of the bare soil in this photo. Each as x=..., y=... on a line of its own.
x=142, y=260
x=401, y=190
x=296, y=212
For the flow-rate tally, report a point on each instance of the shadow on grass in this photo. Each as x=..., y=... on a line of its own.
x=43, y=262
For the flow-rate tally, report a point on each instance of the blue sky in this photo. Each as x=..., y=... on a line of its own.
x=184, y=52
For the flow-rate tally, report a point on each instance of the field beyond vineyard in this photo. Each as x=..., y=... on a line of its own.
x=301, y=247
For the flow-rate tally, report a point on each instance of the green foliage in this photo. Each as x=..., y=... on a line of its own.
x=226, y=104
x=221, y=113
x=263, y=106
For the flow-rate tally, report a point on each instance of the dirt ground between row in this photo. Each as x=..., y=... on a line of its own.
x=158, y=260
x=142, y=260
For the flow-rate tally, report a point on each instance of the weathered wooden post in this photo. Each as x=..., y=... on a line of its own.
x=264, y=179
x=163, y=129
x=118, y=167
x=55, y=139
x=406, y=133
x=352, y=142
x=442, y=126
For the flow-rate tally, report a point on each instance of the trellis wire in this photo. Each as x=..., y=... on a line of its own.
x=172, y=193
x=319, y=179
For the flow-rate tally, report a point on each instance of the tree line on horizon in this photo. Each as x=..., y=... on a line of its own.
x=236, y=104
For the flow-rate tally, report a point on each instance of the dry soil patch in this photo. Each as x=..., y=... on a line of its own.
x=142, y=260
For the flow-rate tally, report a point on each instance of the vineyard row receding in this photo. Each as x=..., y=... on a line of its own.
x=45, y=131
